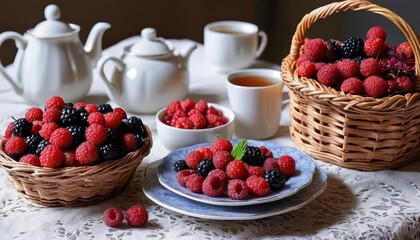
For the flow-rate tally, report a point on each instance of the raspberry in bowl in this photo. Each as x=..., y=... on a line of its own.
x=184, y=123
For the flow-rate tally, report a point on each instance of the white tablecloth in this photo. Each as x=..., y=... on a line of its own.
x=355, y=205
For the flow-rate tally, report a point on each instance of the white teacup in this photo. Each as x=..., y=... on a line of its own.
x=255, y=97
x=232, y=45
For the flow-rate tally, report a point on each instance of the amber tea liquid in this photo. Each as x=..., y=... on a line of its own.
x=253, y=81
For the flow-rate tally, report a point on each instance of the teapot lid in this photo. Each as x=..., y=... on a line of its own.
x=149, y=44
x=51, y=27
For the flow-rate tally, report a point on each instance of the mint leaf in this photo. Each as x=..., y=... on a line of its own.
x=239, y=150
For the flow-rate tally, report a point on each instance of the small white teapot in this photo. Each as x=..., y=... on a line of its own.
x=52, y=61
x=149, y=75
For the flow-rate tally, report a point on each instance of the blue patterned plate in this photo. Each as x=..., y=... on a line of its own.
x=305, y=168
x=174, y=202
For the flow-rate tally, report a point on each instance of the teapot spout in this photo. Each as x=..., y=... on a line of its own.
x=186, y=51
x=93, y=46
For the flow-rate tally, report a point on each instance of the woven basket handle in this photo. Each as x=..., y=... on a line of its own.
x=355, y=5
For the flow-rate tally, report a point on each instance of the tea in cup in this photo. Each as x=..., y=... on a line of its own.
x=232, y=45
x=255, y=96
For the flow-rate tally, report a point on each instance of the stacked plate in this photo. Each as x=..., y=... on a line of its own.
x=160, y=186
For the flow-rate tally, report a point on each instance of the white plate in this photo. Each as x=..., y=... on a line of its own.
x=174, y=202
x=305, y=168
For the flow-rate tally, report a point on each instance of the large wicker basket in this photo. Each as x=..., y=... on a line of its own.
x=348, y=130
x=74, y=186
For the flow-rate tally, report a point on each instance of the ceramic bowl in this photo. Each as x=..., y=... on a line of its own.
x=173, y=138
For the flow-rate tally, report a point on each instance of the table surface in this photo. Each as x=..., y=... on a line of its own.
x=356, y=204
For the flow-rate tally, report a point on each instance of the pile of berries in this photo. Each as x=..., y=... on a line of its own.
x=369, y=67
x=67, y=134
x=136, y=216
x=240, y=172
x=188, y=114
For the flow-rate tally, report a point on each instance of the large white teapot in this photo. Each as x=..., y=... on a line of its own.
x=52, y=61
x=149, y=75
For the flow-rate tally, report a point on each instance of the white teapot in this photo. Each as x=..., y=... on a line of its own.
x=149, y=75
x=52, y=61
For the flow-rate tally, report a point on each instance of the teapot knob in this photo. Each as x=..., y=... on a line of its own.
x=148, y=34
x=52, y=12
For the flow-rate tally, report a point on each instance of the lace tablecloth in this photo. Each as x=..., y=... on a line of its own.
x=355, y=205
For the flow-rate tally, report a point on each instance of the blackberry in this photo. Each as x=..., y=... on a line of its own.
x=68, y=105
x=136, y=125
x=69, y=116
x=105, y=108
x=353, y=47
x=336, y=52
x=41, y=146
x=275, y=178
x=140, y=140
x=359, y=59
x=109, y=151
x=124, y=127
x=253, y=156
x=83, y=117
x=204, y=167
x=22, y=127
x=78, y=133
x=113, y=135
x=32, y=142
x=180, y=165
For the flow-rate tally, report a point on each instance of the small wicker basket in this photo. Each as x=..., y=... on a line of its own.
x=348, y=130
x=74, y=186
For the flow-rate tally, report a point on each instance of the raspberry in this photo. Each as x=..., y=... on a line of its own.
x=375, y=86
x=90, y=108
x=112, y=120
x=15, y=146
x=221, y=159
x=236, y=169
x=237, y=189
x=287, y=165
x=328, y=75
x=187, y=105
x=36, y=127
x=192, y=111
x=302, y=59
x=307, y=69
x=405, y=50
x=173, y=107
x=376, y=32
x=347, y=68
x=47, y=129
x=270, y=163
x=96, y=118
x=266, y=152
x=30, y=159
x=195, y=183
x=315, y=48
x=319, y=65
x=392, y=86
x=96, y=134
x=137, y=216
x=51, y=157
x=9, y=130
x=352, y=85
x=212, y=120
x=182, y=176
x=86, y=153
x=193, y=158
x=206, y=152
x=257, y=186
x=198, y=120
x=221, y=144
x=213, y=110
x=62, y=138
x=178, y=114
x=120, y=112
x=70, y=159
x=34, y=114
x=129, y=142
x=113, y=217
x=370, y=67
x=212, y=186
x=51, y=115
x=201, y=106
x=255, y=170
x=183, y=122
x=220, y=174
x=79, y=105
x=55, y=102
x=373, y=46
x=405, y=83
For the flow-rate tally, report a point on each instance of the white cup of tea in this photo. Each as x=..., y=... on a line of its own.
x=233, y=45
x=255, y=96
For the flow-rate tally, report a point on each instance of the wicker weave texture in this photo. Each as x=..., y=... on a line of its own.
x=74, y=186
x=350, y=130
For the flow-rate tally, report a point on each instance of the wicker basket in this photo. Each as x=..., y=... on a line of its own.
x=73, y=186
x=348, y=130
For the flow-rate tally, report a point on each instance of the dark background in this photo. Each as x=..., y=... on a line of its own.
x=178, y=19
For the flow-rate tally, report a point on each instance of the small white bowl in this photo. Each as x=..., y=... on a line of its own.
x=173, y=138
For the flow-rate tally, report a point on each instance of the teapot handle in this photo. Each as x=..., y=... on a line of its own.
x=114, y=91
x=20, y=45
